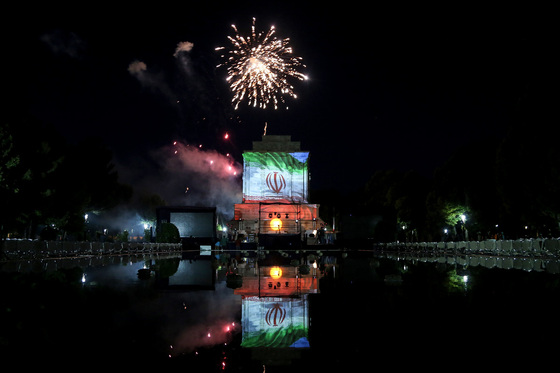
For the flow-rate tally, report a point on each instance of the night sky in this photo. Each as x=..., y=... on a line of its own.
x=398, y=88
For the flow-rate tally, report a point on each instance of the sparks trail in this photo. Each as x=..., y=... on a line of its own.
x=259, y=67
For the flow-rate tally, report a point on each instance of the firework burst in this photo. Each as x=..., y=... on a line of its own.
x=259, y=67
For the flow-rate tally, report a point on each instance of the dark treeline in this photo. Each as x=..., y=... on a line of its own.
x=491, y=188
x=504, y=185
x=47, y=182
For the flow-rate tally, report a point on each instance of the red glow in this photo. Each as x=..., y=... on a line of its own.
x=226, y=136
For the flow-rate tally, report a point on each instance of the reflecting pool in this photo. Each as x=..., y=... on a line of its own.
x=277, y=311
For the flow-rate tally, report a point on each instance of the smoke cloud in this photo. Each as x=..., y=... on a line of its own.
x=64, y=43
x=181, y=174
x=184, y=46
x=195, y=176
x=137, y=67
x=184, y=174
x=156, y=81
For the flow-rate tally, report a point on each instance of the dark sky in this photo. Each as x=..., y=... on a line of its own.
x=388, y=87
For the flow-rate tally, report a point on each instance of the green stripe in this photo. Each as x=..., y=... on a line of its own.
x=273, y=160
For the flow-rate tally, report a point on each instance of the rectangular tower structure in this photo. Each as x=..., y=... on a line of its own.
x=276, y=190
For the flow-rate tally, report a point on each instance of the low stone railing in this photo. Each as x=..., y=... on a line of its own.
x=31, y=249
x=526, y=247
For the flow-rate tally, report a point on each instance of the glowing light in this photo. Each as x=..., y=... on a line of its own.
x=226, y=136
x=275, y=272
x=259, y=67
x=276, y=224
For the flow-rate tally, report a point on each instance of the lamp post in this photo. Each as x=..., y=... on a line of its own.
x=465, y=230
x=314, y=265
x=86, y=221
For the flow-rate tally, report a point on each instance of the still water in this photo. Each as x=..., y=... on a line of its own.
x=277, y=312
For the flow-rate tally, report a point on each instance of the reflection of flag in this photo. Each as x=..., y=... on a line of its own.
x=274, y=322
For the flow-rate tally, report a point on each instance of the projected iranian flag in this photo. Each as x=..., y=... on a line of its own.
x=275, y=322
x=275, y=176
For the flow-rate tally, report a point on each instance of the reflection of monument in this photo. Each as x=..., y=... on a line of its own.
x=275, y=307
x=275, y=192
x=269, y=282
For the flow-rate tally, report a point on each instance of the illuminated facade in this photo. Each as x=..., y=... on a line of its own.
x=275, y=191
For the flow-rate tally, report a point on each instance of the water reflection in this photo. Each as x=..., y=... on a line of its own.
x=526, y=263
x=202, y=319
x=185, y=274
x=275, y=310
x=85, y=262
x=275, y=322
x=232, y=313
